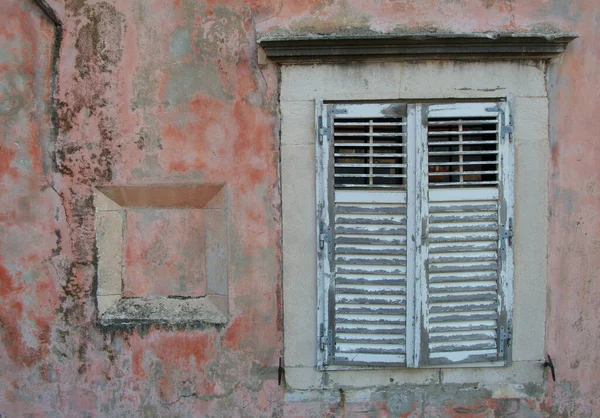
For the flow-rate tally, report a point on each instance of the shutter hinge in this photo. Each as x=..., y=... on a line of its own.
x=507, y=130
x=327, y=131
x=321, y=130
x=326, y=341
x=336, y=111
x=493, y=109
x=505, y=338
x=324, y=236
x=507, y=233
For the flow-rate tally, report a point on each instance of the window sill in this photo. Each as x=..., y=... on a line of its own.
x=491, y=364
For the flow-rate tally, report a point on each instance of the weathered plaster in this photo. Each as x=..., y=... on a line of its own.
x=523, y=83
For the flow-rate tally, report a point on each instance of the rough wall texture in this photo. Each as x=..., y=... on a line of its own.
x=169, y=91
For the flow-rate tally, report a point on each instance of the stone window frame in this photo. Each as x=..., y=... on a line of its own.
x=309, y=76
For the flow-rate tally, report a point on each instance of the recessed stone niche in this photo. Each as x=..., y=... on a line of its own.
x=162, y=254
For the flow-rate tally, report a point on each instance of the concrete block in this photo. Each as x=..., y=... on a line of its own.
x=298, y=122
x=518, y=373
x=299, y=254
x=464, y=79
x=298, y=199
x=530, y=250
x=383, y=377
x=354, y=81
x=300, y=315
x=109, y=240
x=530, y=115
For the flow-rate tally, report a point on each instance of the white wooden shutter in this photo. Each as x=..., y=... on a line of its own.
x=362, y=212
x=414, y=220
x=467, y=297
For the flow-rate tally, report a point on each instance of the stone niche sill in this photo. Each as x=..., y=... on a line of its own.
x=162, y=255
x=164, y=311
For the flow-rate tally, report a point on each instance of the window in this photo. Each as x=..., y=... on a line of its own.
x=514, y=85
x=414, y=213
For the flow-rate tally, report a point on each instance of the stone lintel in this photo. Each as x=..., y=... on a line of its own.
x=359, y=47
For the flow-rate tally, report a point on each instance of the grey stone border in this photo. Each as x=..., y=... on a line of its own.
x=331, y=48
x=179, y=312
x=523, y=84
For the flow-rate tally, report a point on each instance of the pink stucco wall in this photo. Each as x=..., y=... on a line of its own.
x=150, y=91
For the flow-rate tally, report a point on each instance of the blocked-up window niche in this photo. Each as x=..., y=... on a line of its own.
x=162, y=255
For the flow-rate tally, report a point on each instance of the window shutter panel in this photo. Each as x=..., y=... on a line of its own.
x=465, y=251
x=362, y=215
